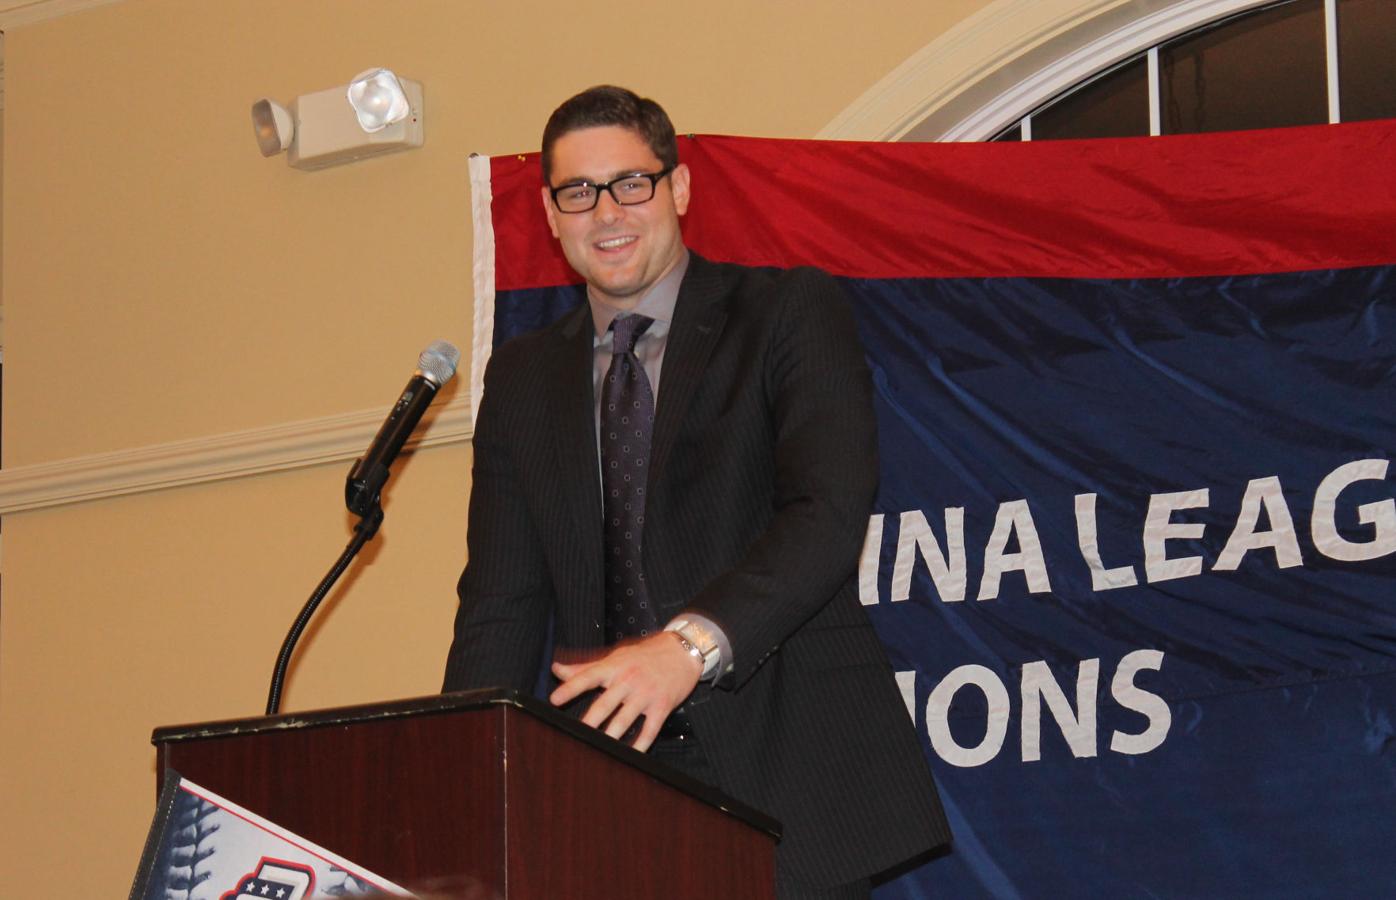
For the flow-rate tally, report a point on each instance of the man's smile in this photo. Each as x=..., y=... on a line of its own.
x=615, y=243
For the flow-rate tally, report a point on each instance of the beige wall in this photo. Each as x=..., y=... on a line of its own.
x=162, y=282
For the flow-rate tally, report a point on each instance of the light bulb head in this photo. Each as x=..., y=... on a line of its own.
x=378, y=99
x=273, y=125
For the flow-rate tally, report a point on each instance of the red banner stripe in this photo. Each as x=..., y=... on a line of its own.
x=1237, y=202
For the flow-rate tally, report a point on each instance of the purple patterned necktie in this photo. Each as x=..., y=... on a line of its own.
x=627, y=416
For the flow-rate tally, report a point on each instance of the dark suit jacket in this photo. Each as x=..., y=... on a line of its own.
x=763, y=472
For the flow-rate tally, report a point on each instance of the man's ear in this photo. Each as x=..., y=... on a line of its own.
x=679, y=184
x=549, y=211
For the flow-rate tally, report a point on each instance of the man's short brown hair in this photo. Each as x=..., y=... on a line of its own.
x=607, y=104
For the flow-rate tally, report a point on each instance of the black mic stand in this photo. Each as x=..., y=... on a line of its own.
x=363, y=488
x=362, y=503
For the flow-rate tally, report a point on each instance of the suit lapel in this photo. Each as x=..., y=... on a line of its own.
x=699, y=315
x=574, y=440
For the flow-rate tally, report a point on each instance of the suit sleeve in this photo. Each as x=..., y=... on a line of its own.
x=825, y=476
x=505, y=593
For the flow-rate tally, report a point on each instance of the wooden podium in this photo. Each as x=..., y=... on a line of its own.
x=483, y=794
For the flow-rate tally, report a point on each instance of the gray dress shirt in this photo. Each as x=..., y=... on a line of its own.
x=658, y=304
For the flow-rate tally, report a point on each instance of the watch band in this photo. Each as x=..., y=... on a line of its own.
x=688, y=646
x=698, y=643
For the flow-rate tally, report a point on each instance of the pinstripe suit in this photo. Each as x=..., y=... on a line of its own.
x=763, y=470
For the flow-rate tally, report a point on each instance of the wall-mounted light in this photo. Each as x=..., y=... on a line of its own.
x=377, y=113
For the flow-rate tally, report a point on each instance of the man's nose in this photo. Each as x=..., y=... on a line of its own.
x=607, y=210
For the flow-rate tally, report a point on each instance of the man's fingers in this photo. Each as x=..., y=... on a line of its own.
x=620, y=723
x=648, y=678
x=576, y=680
x=648, y=732
x=602, y=707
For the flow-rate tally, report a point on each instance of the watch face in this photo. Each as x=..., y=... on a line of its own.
x=701, y=645
x=699, y=637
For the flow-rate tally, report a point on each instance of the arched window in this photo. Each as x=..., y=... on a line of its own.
x=1103, y=68
x=1301, y=62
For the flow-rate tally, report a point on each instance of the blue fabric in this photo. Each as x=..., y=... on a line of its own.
x=1276, y=776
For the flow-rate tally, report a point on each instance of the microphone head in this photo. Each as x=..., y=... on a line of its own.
x=438, y=362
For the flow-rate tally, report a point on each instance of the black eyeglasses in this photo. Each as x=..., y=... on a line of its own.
x=627, y=190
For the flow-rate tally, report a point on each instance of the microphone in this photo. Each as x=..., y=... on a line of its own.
x=364, y=486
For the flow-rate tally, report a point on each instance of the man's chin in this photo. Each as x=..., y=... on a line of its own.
x=621, y=293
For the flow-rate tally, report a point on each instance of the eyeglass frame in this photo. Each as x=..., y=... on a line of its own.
x=654, y=179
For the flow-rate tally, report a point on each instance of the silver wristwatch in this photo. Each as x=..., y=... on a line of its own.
x=698, y=642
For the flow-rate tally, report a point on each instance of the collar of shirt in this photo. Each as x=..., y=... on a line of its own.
x=658, y=303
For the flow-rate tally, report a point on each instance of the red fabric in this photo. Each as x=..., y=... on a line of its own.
x=1125, y=208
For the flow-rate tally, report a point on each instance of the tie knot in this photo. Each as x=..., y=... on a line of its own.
x=627, y=330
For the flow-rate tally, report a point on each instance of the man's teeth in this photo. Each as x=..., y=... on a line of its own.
x=613, y=243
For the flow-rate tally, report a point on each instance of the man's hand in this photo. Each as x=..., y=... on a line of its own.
x=649, y=677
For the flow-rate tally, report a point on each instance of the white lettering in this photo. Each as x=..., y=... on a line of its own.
x=915, y=535
x=870, y=561
x=1264, y=492
x=1013, y=515
x=1078, y=728
x=1141, y=701
x=995, y=728
x=1381, y=515
x=1158, y=529
x=1038, y=687
x=1102, y=579
x=906, y=683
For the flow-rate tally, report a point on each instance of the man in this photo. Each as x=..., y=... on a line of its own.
x=677, y=478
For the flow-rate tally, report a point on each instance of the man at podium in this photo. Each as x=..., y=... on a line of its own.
x=671, y=486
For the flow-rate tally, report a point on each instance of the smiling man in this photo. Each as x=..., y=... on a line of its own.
x=674, y=481
x=623, y=247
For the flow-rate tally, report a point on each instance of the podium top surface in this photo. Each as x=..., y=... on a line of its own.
x=466, y=701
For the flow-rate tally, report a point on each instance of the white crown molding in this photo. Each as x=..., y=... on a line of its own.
x=1004, y=61
x=219, y=457
x=27, y=12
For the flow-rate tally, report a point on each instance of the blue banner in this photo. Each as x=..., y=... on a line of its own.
x=1133, y=556
x=1135, y=562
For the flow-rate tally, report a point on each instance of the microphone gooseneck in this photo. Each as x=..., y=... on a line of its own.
x=364, y=488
